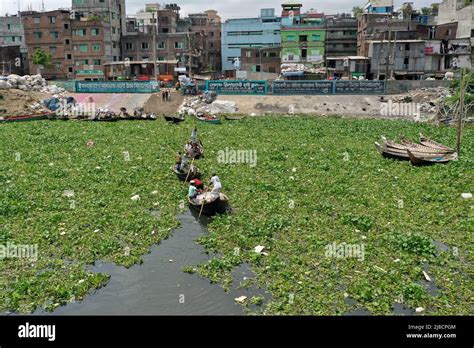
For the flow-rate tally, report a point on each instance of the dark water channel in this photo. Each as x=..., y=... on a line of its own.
x=158, y=286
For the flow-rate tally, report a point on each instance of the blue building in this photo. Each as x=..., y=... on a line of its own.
x=379, y=6
x=248, y=33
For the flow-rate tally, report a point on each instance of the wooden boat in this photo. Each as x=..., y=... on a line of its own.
x=393, y=153
x=173, y=119
x=433, y=144
x=409, y=145
x=182, y=176
x=211, y=120
x=31, y=117
x=217, y=206
x=234, y=118
x=419, y=160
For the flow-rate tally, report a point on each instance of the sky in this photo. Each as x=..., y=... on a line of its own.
x=226, y=8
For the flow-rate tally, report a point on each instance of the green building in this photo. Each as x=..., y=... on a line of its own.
x=303, y=36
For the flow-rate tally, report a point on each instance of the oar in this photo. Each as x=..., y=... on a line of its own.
x=202, y=206
x=189, y=171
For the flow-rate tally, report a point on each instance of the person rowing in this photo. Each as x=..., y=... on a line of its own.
x=216, y=185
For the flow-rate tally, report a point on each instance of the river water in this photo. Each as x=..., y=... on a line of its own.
x=158, y=286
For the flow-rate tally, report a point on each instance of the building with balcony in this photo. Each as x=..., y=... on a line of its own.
x=379, y=6
x=260, y=32
x=78, y=45
x=303, y=35
x=341, y=36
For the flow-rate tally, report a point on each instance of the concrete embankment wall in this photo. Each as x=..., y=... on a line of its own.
x=402, y=86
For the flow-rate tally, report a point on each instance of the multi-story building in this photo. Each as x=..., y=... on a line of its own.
x=377, y=26
x=303, y=36
x=208, y=25
x=12, y=40
x=406, y=59
x=186, y=43
x=248, y=33
x=111, y=12
x=462, y=12
x=341, y=36
x=379, y=6
x=78, y=45
x=267, y=60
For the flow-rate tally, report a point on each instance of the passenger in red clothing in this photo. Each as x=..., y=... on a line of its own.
x=199, y=184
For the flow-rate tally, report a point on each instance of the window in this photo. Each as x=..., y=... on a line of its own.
x=67, y=42
x=115, y=58
x=129, y=46
x=179, y=45
x=96, y=62
x=70, y=69
x=248, y=54
x=79, y=2
x=145, y=46
x=68, y=56
x=80, y=32
x=94, y=32
x=304, y=38
x=54, y=35
x=52, y=50
x=82, y=62
x=96, y=47
x=212, y=34
x=316, y=37
x=161, y=45
x=83, y=47
x=407, y=47
x=52, y=19
x=272, y=54
x=291, y=37
x=58, y=65
x=66, y=25
x=36, y=20
x=271, y=69
x=37, y=35
x=114, y=30
x=257, y=68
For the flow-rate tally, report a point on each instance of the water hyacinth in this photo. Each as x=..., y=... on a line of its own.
x=352, y=202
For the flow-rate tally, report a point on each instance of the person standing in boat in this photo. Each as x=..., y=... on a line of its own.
x=194, y=136
x=184, y=163
x=216, y=185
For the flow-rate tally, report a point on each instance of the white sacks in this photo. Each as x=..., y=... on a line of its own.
x=223, y=107
x=5, y=84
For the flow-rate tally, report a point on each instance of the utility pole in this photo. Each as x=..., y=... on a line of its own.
x=190, y=57
x=154, y=46
x=461, y=110
x=387, y=60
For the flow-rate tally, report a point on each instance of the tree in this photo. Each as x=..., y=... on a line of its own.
x=407, y=11
x=426, y=10
x=357, y=11
x=42, y=59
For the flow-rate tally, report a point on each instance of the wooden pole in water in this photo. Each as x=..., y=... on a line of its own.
x=461, y=111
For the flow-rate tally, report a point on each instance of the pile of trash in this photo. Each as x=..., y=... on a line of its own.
x=206, y=104
x=288, y=69
x=34, y=83
x=428, y=98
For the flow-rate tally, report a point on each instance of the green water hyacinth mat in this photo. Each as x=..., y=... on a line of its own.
x=317, y=197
